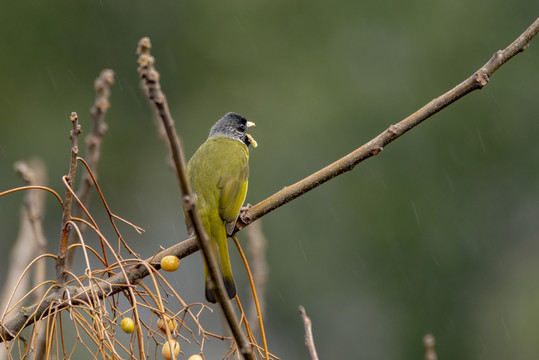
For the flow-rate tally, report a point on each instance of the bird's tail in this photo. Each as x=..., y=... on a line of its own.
x=226, y=270
x=229, y=285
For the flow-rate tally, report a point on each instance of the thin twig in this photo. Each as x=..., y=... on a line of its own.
x=111, y=217
x=31, y=242
x=309, y=341
x=30, y=237
x=256, y=246
x=475, y=82
x=430, y=352
x=258, y=312
x=90, y=294
x=39, y=187
x=152, y=87
x=66, y=217
x=35, y=211
x=93, y=140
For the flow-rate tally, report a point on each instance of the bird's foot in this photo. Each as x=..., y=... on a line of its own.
x=241, y=222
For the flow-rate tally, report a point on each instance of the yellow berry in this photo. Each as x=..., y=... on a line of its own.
x=195, y=357
x=128, y=325
x=170, y=263
x=170, y=322
x=167, y=354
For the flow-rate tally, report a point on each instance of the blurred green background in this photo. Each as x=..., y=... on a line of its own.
x=436, y=234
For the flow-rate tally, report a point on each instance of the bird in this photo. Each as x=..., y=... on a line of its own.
x=218, y=173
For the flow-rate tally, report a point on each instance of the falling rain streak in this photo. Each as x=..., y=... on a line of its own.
x=416, y=214
x=481, y=141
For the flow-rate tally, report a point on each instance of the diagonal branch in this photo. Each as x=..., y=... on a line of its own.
x=150, y=78
x=90, y=294
x=475, y=82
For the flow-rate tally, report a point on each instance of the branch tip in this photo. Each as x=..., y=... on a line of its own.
x=144, y=46
x=106, y=78
x=309, y=341
x=429, y=342
x=152, y=88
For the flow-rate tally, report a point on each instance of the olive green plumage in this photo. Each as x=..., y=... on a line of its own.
x=218, y=172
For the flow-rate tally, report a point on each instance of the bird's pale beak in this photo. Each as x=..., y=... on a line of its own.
x=250, y=123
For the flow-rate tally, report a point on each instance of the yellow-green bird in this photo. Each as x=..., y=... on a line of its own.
x=218, y=172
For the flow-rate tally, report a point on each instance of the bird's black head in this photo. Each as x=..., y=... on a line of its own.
x=233, y=126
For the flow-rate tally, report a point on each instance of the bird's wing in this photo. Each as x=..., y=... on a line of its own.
x=233, y=188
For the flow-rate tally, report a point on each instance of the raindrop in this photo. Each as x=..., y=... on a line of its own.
x=481, y=141
x=435, y=260
x=51, y=77
x=72, y=75
x=505, y=328
x=380, y=179
x=416, y=214
x=449, y=180
x=303, y=250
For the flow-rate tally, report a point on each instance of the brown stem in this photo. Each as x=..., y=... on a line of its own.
x=91, y=294
x=257, y=243
x=309, y=341
x=66, y=217
x=31, y=241
x=93, y=141
x=476, y=81
x=429, y=342
x=150, y=81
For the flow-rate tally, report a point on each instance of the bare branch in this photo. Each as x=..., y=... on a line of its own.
x=428, y=342
x=476, y=81
x=93, y=140
x=30, y=240
x=91, y=294
x=256, y=242
x=152, y=87
x=308, y=333
x=66, y=217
